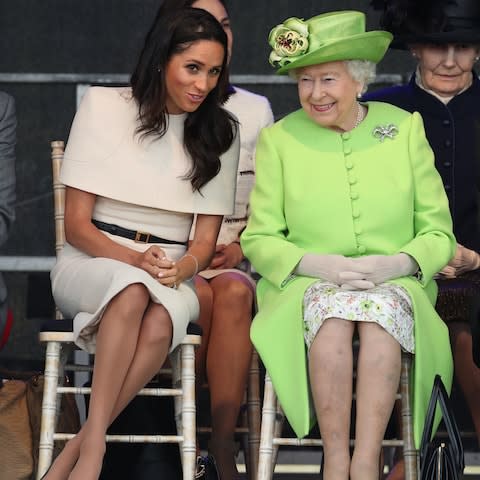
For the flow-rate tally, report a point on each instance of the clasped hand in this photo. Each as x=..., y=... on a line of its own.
x=155, y=262
x=465, y=260
x=357, y=273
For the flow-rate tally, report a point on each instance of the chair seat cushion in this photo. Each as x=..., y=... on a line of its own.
x=64, y=325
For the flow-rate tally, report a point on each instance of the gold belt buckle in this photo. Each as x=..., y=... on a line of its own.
x=142, y=237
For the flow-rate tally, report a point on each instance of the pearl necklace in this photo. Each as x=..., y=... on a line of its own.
x=360, y=115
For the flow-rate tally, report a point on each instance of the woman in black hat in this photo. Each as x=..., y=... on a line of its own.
x=444, y=39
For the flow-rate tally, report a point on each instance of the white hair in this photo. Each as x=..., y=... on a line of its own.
x=362, y=71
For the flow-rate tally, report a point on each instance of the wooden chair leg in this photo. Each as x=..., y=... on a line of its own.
x=277, y=433
x=269, y=410
x=49, y=407
x=253, y=417
x=410, y=454
x=189, y=450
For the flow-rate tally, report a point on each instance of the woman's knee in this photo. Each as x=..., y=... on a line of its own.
x=157, y=325
x=233, y=290
x=133, y=299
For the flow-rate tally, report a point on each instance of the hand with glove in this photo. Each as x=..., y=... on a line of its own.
x=465, y=260
x=331, y=268
x=380, y=268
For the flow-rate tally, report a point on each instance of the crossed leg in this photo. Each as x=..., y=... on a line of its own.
x=133, y=339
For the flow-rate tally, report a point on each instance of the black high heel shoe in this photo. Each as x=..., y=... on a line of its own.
x=206, y=468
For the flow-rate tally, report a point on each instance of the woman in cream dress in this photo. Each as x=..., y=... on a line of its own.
x=140, y=162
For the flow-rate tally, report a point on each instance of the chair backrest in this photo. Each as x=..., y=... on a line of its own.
x=58, y=147
x=58, y=194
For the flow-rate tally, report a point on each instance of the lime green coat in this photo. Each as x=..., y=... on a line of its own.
x=350, y=194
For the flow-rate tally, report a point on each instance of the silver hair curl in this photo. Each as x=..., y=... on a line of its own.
x=362, y=71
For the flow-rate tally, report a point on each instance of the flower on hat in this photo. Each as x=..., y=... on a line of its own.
x=289, y=40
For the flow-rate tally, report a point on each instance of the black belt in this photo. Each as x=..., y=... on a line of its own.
x=137, y=236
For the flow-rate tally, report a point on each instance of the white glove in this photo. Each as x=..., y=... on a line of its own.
x=465, y=260
x=380, y=268
x=327, y=267
x=350, y=281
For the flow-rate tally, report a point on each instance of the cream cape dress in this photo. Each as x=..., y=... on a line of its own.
x=139, y=185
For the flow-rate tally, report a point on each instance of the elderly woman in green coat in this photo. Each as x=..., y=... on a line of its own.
x=349, y=224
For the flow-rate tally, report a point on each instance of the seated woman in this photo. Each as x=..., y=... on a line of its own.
x=445, y=90
x=139, y=163
x=346, y=212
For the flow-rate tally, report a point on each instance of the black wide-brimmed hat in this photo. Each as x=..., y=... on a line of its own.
x=430, y=21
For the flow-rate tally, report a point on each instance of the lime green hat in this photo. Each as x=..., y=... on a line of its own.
x=325, y=38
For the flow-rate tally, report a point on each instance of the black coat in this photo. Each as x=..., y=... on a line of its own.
x=453, y=131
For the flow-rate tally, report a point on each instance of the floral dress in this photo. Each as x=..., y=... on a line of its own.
x=387, y=305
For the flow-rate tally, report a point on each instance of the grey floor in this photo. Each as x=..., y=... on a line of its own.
x=304, y=465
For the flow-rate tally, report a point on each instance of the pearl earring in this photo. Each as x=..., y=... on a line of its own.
x=476, y=59
x=359, y=95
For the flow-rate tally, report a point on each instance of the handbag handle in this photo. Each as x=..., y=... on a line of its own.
x=440, y=395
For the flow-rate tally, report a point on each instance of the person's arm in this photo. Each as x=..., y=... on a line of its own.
x=8, y=125
x=264, y=239
x=82, y=234
x=201, y=248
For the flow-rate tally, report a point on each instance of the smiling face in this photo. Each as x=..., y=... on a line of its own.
x=192, y=74
x=328, y=94
x=217, y=9
x=446, y=69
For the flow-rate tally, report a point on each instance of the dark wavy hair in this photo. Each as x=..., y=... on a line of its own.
x=209, y=131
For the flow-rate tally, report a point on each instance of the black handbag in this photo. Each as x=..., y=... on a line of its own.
x=441, y=459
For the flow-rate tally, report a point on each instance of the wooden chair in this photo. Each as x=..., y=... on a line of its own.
x=58, y=334
x=273, y=419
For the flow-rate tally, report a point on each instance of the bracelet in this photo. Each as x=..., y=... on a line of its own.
x=196, y=264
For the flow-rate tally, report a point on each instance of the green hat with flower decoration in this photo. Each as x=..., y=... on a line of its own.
x=325, y=38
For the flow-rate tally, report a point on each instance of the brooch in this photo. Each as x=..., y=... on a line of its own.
x=383, y=132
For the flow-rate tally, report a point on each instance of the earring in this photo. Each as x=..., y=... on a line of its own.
x=477, y=58
x=359, y=95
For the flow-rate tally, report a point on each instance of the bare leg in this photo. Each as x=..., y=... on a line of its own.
x=378, y=376
x=331, y=371
x=154, y=338
x=205, y=298
x=228, y=361
x=466, y=372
